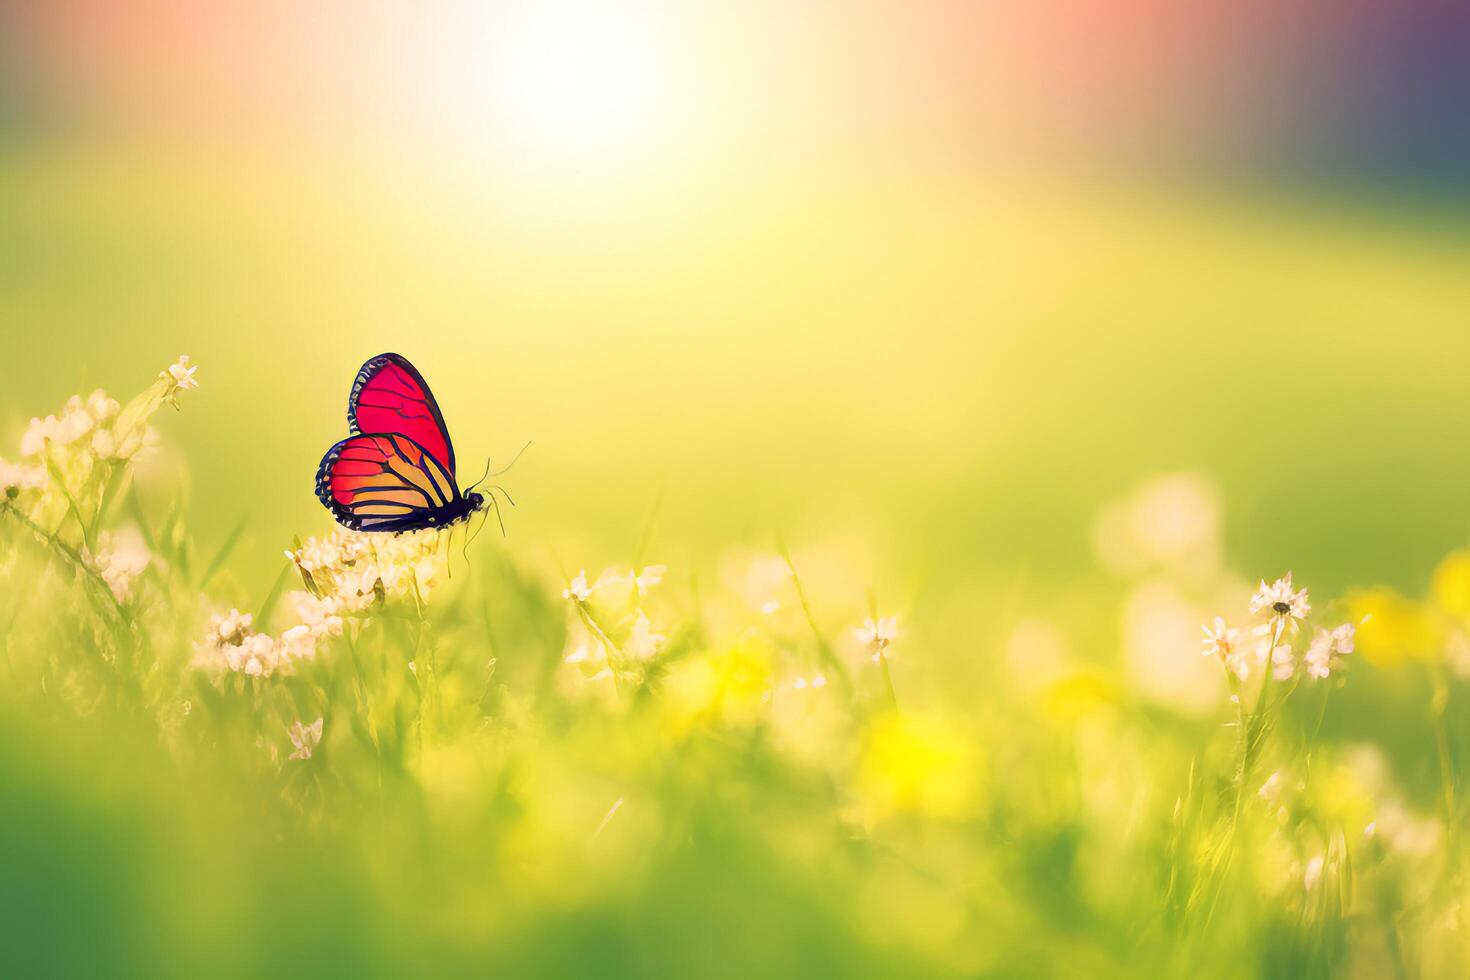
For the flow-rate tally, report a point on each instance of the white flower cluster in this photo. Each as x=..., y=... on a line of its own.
x=118, y=560
x=349, y=569
x=1280, y=608
x=66, y=459
x=233, y=644
x=615, y=616
x=71, y=442
x=345, y=573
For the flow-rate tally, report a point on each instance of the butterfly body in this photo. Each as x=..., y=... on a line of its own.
x=395, y=472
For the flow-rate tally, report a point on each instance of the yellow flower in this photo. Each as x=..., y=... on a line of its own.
x=917, y=764
x=1080, y=693
x=730, y=686
x=1451, y=585
x=1392, y=628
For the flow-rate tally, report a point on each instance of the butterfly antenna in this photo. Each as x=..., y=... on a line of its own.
x=499, y=518
x=482, y=476
x=507, y=466
x=470, y=539
x=504, y=493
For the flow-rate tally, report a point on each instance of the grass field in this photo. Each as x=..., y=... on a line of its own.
x=989, y=491
x=1051, y=435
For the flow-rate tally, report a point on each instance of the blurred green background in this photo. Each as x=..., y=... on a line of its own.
x=929, y=283
x=785, y=271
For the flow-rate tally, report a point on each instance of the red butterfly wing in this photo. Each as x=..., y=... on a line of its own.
x=390, y=396
x=386, y=483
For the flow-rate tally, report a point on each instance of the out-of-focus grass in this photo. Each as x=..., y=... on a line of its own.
x=418, y=762
x=927, y=387
x=962, y=370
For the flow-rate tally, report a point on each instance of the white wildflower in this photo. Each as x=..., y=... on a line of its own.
x=37, y=434
x=76, y=422
x=181, y=375
x=1225, y=641
x=425, y=574
x=1283, y=665
x=877, y=634
x=1327, y=647
x=15, y=478
x=650, y=576
x=578, y=589
x=304, y=738
x=233, y=627
x=319, y=614
x=643, y=642
x=1220, y=640
x=256, y=657
x=298, y=643
x=102, y=407
x=119, y=559
x=1280, y=599
x=104, y=445
x=584, y=654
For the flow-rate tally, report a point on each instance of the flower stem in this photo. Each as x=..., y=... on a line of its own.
x=1439, y=702
x=888, y=681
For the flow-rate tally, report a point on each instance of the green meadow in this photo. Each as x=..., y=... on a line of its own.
x=848, y=618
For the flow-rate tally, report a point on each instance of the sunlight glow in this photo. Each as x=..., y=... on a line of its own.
x=577, y=83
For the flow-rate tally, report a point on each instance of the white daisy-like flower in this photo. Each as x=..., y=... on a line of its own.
x=1280, y=599
x=305, y=738
x=578, y=589
x=1221, y=640
x=1327, y=647
x=650, y=576
x=1283, y=665
x=877, y=634
x=643, y=642
x=181, y=374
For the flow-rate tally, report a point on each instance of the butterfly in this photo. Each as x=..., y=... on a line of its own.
x=396, y=471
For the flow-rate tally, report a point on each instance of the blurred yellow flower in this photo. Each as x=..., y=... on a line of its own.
x=1080, y=694
x=917, y=764
x=1392, y=628
x=1451, y=584
x=729, y=686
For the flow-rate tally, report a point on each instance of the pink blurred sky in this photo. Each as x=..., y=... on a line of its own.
x=1124, y=80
